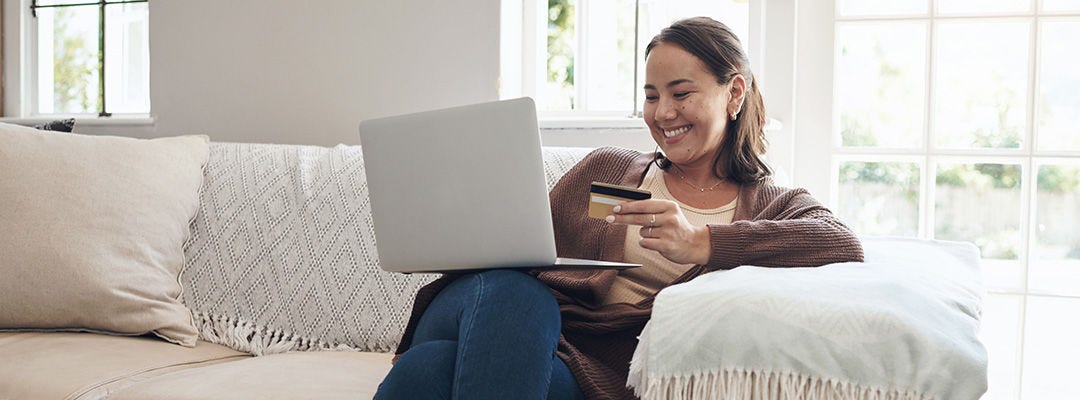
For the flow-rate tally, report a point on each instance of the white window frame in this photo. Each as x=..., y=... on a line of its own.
x=820, y=153
x=20, y=80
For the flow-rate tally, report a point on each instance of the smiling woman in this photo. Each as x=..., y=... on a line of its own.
x=713, y=208
x=695, y=74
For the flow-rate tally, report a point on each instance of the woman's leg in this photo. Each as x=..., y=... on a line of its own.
x=563, y=385
x=426, y=371
x=506, y=325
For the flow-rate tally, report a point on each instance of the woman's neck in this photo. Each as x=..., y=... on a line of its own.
x=697, y=176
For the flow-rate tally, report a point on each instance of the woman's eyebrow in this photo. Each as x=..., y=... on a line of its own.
x=649, y=86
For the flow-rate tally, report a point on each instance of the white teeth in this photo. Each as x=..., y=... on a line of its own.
x=676, y=132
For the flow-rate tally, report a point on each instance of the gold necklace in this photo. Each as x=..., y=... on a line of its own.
x=700, y=189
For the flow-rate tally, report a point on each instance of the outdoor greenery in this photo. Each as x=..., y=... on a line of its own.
x=998, y=176
x=560, y=59
x=855, y=129
x=74, y=69
x=1059, y=179
x=904, y=175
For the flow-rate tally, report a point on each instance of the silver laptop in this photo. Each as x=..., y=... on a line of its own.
x=462, y=189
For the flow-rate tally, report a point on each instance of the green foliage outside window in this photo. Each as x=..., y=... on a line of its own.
x=998, y=176
x=560, y=59
x=904, y=175
x=1057, y=179
x=74, y=68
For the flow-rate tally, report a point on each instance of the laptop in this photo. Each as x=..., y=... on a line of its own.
x=462, y=189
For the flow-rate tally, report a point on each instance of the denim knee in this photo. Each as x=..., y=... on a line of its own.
x=509, y=285
x=426, y=371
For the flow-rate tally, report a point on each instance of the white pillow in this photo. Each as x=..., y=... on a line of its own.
x=901, y=325
x=92, y=231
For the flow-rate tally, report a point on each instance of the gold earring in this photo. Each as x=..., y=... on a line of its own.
x=733, y=115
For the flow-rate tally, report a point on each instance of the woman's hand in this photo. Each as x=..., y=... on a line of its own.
x=665, y=229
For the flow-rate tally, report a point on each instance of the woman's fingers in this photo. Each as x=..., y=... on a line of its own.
x=642, y=212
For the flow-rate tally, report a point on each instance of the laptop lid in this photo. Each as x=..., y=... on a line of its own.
x=459, y=188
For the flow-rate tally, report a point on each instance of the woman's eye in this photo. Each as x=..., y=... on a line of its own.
x=651, y=98
x=680, y=95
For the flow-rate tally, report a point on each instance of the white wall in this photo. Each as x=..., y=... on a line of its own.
x=300, y=72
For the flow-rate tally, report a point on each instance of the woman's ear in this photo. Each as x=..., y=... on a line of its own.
x=738, y=94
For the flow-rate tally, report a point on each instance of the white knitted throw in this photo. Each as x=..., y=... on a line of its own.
x=282, y=254
x=901, y=326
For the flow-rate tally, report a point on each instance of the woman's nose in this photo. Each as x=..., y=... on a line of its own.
x=665, y=110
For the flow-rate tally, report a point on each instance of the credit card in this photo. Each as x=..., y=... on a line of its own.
x=603, y=197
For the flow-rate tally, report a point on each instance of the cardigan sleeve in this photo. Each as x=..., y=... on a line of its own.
x=791, y=229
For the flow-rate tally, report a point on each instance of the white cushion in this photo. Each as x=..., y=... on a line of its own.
x=902, y=325
x=94, y=228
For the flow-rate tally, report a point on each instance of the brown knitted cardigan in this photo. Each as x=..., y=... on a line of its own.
x=772, y=227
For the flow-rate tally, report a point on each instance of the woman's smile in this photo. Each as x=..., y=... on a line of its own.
x=675, y=134
x=670, y=133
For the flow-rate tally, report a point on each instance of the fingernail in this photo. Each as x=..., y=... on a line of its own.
x=617, y=208
x=610, y=218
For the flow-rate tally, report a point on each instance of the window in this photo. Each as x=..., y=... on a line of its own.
x=86, y=57
x=957, y=120
x=586, y=58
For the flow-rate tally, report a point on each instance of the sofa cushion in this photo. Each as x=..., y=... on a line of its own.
x=94, y=228
x=324, y=375
x=62, y=365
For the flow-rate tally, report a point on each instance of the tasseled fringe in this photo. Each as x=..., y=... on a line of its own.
x=756, y=385
x=247, y=337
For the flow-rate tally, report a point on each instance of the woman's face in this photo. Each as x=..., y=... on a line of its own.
x=685, y=108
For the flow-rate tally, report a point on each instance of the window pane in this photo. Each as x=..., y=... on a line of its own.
x=999, y=331
x=61, y=2
x=980, y=203
x=1050, y=348
x=1059, y=90
x=982, y=6
x=558, y=90
x=127, y=58
x=67, y=60
x=980, y=80
x=852, y=8
x=880, y=198
x=609, y=68
x=881, y=84
x=1061, y=5
x=1055, y=265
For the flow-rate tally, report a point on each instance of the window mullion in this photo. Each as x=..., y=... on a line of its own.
x=581, y=61
x=634, y=112
x=103, y=111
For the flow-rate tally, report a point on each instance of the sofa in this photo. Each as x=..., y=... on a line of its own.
x=280, y=280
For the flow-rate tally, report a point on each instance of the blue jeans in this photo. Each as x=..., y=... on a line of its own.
x=488, y=335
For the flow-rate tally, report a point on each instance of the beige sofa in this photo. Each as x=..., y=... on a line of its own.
x=280, y=263
x=95, y=366
x=282, y=290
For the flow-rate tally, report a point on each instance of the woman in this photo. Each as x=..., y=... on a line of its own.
x=571, y=334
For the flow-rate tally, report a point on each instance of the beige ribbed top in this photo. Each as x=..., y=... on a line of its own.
x=636, y=284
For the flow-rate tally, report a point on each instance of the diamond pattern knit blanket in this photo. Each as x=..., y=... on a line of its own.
x=282, y=255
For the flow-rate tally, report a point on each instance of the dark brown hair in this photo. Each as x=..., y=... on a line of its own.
x=717, y=47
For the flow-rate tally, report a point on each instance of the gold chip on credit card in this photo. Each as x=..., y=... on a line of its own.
x=603, y=197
